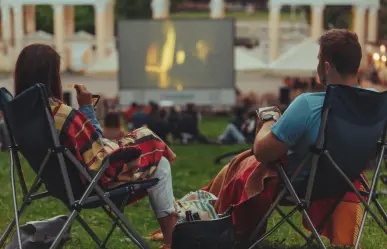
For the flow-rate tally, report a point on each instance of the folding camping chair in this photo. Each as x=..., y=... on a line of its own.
x=33, y=134
x=352, y=133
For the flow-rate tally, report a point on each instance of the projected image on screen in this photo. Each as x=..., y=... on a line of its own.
x=182, y=54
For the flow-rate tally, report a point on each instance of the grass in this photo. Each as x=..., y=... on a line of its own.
x=238, y=15
x=193, y=169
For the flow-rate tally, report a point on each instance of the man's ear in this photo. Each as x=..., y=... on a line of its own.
x=327, y=67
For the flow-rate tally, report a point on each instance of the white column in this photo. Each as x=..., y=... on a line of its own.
x=6, y=26
x=160, y=9
x=69, y=20
x=317, y=21
x=372, y=35
x=359, y=29
x=30, y=19
x=359, y=25
x=59, y=33
x=274, y=26
x=18, y=28
x=217, y=8
x=110, y=20
x=100, y=29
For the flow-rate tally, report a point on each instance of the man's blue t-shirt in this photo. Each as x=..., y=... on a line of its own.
x=298, y=128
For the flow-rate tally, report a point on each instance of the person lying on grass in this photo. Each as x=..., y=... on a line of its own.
x=80, y=131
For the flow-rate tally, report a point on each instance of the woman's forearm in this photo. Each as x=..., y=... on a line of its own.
x=89, y=112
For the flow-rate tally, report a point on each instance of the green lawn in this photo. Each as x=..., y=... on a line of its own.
x=193, y=169
x=238, y=15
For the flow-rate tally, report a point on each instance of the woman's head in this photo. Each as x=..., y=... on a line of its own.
x=112, y=120
x=38, y=63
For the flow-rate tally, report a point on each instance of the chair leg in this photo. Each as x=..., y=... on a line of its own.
x=26, y=202
x=14, y=197
x=92, y=234
x=292, y=224
x=66, y=226
x=325, y=219
x=284, y=219
x=293, y=193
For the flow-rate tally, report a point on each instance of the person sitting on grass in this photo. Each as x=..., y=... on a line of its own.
x=80, y=131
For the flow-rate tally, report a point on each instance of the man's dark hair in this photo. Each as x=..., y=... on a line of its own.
x=342, y=49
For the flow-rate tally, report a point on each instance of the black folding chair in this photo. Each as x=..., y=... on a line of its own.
x=33, y=134
x=352, y=133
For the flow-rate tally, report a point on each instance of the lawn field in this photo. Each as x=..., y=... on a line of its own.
x=193, y=169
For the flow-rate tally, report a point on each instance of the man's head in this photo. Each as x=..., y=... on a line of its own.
x=339, y=56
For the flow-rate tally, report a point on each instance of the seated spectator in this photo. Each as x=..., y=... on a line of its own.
x=249, y=183
x=129, y=112
x=82, y=130
x=188, y=126
x=157, y=122
x=248, y=127
x=139, y=118
x=233, y=133
x=173, y=123
x=112, y=126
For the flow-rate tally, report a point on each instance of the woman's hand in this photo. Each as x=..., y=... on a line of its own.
x=84, y=97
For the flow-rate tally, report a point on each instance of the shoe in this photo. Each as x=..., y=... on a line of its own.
x=156, y=235
x=165, y=246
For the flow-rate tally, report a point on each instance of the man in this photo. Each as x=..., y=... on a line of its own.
x=292, y=134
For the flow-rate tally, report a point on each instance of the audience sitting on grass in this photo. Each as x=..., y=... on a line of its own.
x=82, y=130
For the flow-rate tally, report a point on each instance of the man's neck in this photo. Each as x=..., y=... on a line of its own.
x=350, y=80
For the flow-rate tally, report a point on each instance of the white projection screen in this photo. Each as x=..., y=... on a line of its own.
x=185, y=61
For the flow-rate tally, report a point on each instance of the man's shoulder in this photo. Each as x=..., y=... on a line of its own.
x=313, y=99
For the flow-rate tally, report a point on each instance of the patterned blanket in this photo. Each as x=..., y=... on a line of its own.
x=80, y=136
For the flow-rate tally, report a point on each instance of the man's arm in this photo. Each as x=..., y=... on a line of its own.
x=267, y=148
x=275, y=138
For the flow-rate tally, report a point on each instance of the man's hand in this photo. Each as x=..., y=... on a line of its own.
x=84, y=97
x=259, y=123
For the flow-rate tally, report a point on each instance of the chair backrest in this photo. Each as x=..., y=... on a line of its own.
x=32, y=123
x=5, y=98
x=353, y=121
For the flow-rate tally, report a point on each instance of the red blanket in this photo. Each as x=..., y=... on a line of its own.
x=251, y=188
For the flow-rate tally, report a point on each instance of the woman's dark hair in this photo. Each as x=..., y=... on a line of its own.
x=38, y=63
x=112, y=120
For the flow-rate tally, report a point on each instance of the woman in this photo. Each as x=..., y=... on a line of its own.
x=80, y=131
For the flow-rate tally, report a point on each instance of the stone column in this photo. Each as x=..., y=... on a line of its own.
x=372, y=35
x=359, y=29
x=217, y=8
x=69, y=20
x=30, y=18
x=160, y=9
x=69, y=29
x=6, y=26
x=100, y=29
x=274, y=26
x=18, y=29
x=317, y=21
x=59, y=33
x=110, y=20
